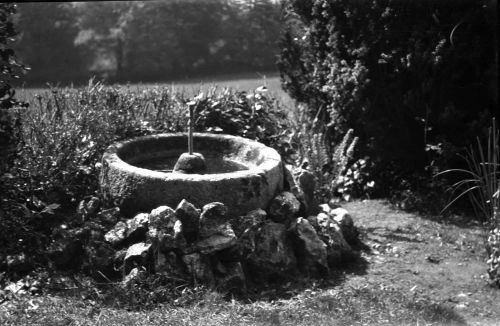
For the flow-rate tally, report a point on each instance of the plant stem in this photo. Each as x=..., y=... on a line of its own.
x=190, y=135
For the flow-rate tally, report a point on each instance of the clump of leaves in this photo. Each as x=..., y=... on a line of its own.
x=254, y=114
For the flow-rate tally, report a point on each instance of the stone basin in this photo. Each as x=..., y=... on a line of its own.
x=243, y=174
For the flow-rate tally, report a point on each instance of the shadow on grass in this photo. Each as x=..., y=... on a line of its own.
x=286, y=287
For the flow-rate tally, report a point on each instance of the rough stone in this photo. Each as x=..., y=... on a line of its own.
x=284, y=207
x=331, y=234
x=189, y=216
x=191, y=163
x=160, y=216
x=231, y=278
x=137, y=254
x=310, y=250
x=116, y=236
x=168, y=263
x=224, y=239
x=213, y=215
x=165, y=230
x=267, y=251
x=199, y=268
x=215, y=230
x=137, y=228
x=251, y=219
x=344, y=219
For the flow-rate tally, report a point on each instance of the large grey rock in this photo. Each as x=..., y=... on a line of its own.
x=116, y=236
x=212, y=216
x=250, y=183
x=217, y=242
x=138, y=254
x=198, y=267
x=251, y=219
x=346, y=223
x=161, y=215
x=215, y=230
x=310, y=250
x=189, y=216
x=165, y=230
x=284, y=207
x=231, y=278
x=331, y=234
x=169, y=264
x=342, y=217
x=137, y=228
x=267, y=250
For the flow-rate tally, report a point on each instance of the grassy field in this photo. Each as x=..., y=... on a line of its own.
x=413, y=270
x=193, y=86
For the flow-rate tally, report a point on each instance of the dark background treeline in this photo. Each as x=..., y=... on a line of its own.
x=146, y=40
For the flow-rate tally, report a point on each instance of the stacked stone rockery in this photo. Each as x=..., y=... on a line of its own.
x=211, y=247
x=293, y=237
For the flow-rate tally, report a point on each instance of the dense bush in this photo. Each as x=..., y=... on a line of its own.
x=10, y=69
x=414, y=79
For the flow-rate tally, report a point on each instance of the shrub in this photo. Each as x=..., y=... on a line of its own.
x=254, y=114
x=10, y=125
x=405, y=75
x=10, y=69
x=336, y=172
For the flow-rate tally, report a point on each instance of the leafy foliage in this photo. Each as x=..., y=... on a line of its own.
x=333, y=165
x=10, y=68
x=358, y=65
x=255, y=115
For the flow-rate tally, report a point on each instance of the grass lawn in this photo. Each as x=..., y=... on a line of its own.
x=412, y=271
x=242, y=82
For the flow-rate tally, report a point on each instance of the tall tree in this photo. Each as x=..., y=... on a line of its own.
x=46, y=41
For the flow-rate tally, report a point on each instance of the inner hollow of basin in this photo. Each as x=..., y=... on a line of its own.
x=215, y=163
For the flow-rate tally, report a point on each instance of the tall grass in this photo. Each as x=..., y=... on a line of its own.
x=482, y=178
x=482, y=183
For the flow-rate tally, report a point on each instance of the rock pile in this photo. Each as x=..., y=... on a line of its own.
x=207, y=245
